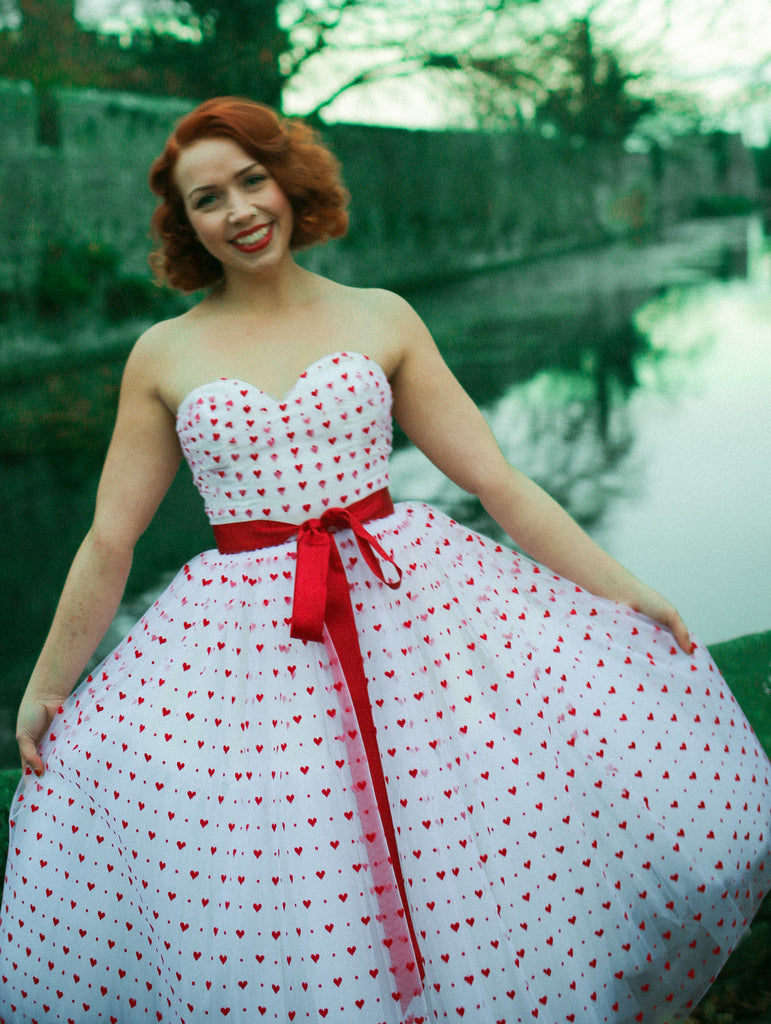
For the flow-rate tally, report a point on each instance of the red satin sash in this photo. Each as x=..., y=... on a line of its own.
x=322, y=598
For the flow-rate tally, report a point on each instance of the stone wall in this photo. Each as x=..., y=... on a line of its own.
x=423, y=202
x=90, y=184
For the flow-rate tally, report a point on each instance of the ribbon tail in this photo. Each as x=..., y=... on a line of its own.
x=369, y=547
x=372, y=795
x=311, y=587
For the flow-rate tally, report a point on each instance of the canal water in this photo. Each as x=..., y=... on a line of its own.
x=694, y=518
x=654, y=429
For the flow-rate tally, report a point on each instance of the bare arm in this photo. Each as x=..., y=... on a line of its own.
x=440, y=418
x=141, y=462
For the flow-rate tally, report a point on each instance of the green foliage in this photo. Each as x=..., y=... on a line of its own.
x=193, y=49
x=555, y=80
x=129, y=296
x=592, y=100
x=79, y=283
x=62, y=405
x=724, y=206
x=746, y=666
x=70, y=273
x=9, y=780
x=762, y=158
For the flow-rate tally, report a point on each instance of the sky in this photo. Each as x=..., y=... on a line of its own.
x=715, y=49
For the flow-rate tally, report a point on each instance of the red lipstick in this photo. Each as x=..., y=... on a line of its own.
x=260, y=242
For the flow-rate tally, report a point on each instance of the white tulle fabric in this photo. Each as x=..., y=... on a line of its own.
x=582, y=812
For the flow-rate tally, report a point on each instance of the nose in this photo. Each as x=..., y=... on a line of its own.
x=239, y=207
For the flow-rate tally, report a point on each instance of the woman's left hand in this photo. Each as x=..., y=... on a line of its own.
x=35, y=716
x=660, y=610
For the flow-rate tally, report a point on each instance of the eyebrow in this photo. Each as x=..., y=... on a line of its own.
x=238, y=174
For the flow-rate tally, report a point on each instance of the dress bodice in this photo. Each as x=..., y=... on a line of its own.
x=325, y=444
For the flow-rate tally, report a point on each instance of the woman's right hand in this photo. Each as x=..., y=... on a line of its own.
x=34, y=718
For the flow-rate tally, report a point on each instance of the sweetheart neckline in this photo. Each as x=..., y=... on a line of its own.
x=185, y=401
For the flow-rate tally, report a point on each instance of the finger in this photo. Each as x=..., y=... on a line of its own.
x=682, y=636
x=30, y=758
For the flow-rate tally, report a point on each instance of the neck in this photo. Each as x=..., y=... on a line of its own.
x=270, y=292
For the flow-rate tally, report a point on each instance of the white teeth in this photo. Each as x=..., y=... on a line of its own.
x=256, y=236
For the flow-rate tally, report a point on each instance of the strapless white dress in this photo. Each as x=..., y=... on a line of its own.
x=581, y=811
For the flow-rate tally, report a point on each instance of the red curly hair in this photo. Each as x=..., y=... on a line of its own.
x=304, y=169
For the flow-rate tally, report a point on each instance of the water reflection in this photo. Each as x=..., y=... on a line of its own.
x=697, y=523
x=553, y=428
x=660, y=446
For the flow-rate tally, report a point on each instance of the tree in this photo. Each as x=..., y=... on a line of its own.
x=199, y=48
x=502, y=59
x=188, y=49
x=44, y=49
x=250, y=47
x=592, y=101
x=553, y=80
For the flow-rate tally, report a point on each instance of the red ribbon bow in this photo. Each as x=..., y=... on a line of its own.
x=321, y=586
x=322, y=598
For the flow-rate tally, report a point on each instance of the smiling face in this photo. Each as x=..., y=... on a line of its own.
x=235, y=207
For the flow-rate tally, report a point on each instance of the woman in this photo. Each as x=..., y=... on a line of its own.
x=357, y=763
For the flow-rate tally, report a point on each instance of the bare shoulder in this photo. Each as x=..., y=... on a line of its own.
x=387, y=326
x=384, y=303
x=164, y=335
x=402, y=321
x=151, y=357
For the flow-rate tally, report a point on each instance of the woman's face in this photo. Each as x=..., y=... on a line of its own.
x=235, y=207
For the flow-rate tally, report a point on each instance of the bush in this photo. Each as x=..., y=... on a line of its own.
x=70, y=272
x=131, y=296
x=9, y=780
x=724, y=206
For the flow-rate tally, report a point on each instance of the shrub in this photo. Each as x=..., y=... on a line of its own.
x=70, y=272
